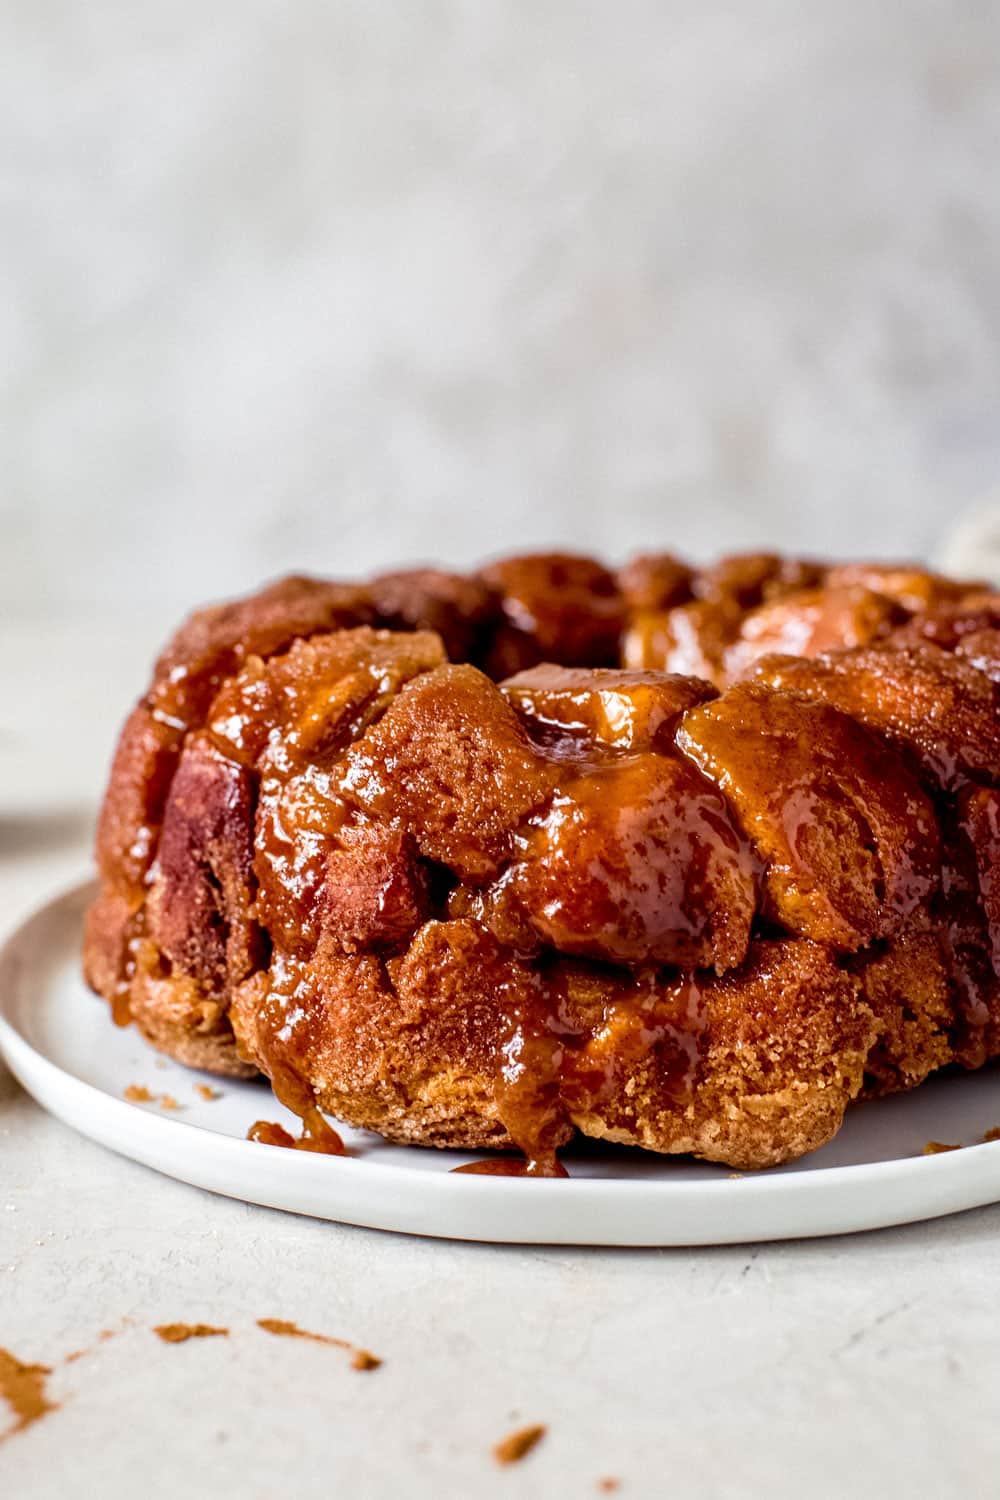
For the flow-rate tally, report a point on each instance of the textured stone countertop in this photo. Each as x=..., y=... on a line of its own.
x=865, y=1365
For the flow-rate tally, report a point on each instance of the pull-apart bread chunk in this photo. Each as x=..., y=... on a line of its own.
x=687, y=859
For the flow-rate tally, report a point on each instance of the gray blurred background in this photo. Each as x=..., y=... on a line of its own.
x=334, y=284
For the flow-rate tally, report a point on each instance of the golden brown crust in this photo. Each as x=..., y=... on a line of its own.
x=807, y=623
x=128, y=827
x=747, y=1069
x=214, y=642
x=556, y=607
x=905, y=983
x=179, y=1016
x=848, y=839
x=627, y=710
x=930, y=702
x=783, y=1051
x=459, y=609
x=596, y=897
x=691, y=640
x=655, y=580
x=449, y=762
x=199, y=911
x=636, y=860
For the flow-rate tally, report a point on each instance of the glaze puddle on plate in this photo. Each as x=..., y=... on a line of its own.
x=59, y=1041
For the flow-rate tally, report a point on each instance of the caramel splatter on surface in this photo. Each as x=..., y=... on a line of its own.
x=179, y=1333
x=23, y=1388
x=364, y=1359
x=206, y=1091
x=993, y=1134
x=167, y=1101
x=361, y=1359
x=517, y=1445
x=609, y=1485
x=102, y=1338
x=934, y=1148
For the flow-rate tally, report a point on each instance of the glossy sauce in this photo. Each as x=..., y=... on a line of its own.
x=635, y=860
x=317, y=1135
x=278, y=1013
x=553, y=1059
x=512, y=1166
x=121, y=1005
x=132, y=937
x=566, y=1057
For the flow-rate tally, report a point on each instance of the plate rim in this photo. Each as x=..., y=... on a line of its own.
x=955, y=1179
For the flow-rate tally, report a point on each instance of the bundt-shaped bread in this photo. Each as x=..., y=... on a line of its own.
x=687, y=859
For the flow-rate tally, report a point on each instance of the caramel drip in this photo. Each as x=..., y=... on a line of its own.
x=296, y=1095
x=361, y=1359
x=121, y=997
x=121, y=1006
x=509, y=1166
x=528, y=1096
x=558, y=1065
x=268, y=1133
x=317, y=1135
x=23, y=1388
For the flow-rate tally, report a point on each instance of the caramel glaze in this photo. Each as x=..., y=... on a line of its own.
x=566, y=1052
x=317, y=1135
x=563, y=1046
x=510, y=1166
x=621, y=836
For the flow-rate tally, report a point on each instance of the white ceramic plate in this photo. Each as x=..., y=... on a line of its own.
x=61, y=1044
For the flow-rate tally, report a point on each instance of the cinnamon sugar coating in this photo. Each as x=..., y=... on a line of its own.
x=683, y=858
